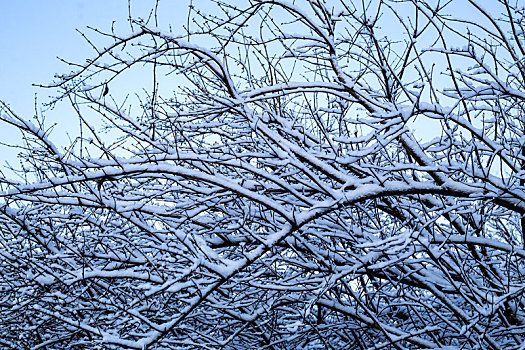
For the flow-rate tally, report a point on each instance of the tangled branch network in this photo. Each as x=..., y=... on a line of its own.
x=289, y=175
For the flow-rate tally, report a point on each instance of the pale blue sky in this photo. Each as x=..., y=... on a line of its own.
x=33, y=33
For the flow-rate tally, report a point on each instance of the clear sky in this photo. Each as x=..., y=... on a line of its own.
x=33, y=33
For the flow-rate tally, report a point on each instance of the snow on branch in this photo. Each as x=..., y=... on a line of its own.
x=277, y=175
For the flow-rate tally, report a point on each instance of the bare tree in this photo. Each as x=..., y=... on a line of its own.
x=295, y=174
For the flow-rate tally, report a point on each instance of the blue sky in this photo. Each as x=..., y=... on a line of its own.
x=34, y=33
